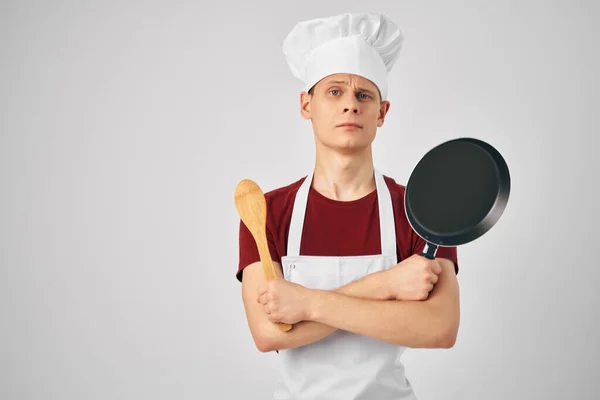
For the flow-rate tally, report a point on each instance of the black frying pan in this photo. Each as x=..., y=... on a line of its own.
x=456, y=193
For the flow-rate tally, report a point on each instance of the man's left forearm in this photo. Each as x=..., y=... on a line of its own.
x=431, y=323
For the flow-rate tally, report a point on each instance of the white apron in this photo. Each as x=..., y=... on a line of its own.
x=343, y=365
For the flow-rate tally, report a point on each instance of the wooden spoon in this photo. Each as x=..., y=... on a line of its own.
x=252, y=209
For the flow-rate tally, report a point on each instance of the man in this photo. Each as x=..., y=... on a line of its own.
x=351, y=280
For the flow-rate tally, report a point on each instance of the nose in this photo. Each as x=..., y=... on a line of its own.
x=351, y=104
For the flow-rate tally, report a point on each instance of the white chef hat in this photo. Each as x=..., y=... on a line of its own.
x=364, y=44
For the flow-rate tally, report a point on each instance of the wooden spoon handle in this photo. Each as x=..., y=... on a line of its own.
x=265, y=258
x=269, y=269
x=284, y=327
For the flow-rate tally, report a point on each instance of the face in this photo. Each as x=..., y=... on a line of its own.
x=341, y=99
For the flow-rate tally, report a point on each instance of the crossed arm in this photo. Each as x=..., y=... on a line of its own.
x=364, y=307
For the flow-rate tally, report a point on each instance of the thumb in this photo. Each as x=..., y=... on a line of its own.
x=262, y=288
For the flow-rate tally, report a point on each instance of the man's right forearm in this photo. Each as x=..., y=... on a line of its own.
x=371, y=286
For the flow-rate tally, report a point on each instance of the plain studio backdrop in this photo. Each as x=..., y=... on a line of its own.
x=125, y=127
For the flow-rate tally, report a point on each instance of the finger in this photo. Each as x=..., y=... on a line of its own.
x=262, y=288
x=264, y=299
x=428, y=265
x=433, y=279
x=437, y=267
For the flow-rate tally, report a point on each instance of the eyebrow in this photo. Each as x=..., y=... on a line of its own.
x=346, y=83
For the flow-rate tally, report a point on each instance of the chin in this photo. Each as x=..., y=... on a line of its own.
x=350, y=146
x=348, y=142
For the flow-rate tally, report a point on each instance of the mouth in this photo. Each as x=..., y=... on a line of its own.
x=349, y=125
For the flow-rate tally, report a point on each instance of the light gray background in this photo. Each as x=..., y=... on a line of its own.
x=125, y=127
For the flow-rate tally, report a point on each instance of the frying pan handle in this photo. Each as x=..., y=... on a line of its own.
x=429, y=251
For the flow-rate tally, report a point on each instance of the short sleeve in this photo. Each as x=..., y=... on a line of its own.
x=248, y=250
x=451, y=252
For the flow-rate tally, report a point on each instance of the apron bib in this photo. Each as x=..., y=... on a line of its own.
x=343, y=365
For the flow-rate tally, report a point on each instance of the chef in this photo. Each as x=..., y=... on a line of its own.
x=351, y=280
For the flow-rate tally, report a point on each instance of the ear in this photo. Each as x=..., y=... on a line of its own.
x=305, y=99
x=384, y=107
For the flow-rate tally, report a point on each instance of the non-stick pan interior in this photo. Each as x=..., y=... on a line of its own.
x=455, y=189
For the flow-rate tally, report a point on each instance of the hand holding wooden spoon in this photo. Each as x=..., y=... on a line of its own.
x=252, y=209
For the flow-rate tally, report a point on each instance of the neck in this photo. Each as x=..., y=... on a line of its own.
x=344, y=177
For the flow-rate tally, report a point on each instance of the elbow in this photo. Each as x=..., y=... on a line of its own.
x=447, y=341
x=447, y=336
x=265, y=343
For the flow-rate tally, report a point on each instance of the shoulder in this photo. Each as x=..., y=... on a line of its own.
x=283, y=195
x=280, y=201
x=396, y=189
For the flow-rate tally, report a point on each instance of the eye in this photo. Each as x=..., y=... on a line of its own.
x=366, y=96
x=334, y=90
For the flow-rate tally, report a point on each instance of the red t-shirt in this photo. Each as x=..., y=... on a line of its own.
x=334, y=228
